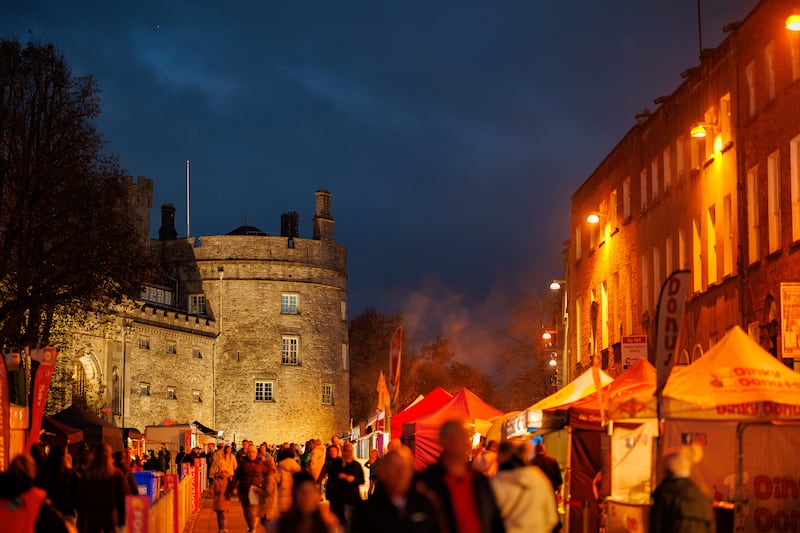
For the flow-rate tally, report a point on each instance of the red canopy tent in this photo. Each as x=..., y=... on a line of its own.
x=422, y=435
x=428, y=404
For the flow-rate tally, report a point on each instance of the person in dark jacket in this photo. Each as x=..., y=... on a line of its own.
x=396, y=506
x=101, y=494
x=465, y=495
x=23, y=506
x=331, y=473
x=679, y=506
x=549, y=466
x=250, y=473
x=60, y=481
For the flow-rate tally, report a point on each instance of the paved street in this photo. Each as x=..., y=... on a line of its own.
x=206, y=520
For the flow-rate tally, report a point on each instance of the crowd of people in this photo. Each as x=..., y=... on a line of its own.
x=43, y=492
x=316, y=488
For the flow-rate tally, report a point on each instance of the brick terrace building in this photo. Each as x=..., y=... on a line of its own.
x=725, y=206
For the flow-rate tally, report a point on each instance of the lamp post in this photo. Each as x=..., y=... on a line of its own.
x=561, y=285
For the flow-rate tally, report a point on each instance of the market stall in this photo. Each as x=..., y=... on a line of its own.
x=95, y=429
x=422, y=435
x=741, y=406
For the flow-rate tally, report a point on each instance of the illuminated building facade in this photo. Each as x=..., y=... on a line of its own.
x=708, y=182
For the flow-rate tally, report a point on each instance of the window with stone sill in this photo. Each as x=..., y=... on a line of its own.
x=327, y=394
x=197, y=396
x=144, y=389
x=289, y=352
x=288, y=304
x=264, y=391
x=171, y=395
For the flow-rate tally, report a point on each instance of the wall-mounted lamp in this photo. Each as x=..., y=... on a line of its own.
x=793, y=22
x=701, y=130
x=557, y=284
x=594, y=217
x=548, y=334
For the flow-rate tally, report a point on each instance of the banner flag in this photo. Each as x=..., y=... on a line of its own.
x=5, y=416
x=41, y=384
x=384, y=399
x=598, y=385
x=137, y=514
x=669, y=316
x=395, y=352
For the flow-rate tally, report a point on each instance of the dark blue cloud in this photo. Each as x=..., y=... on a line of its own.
x=451, y=134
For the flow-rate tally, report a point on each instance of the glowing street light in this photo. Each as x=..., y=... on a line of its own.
x=793, y=22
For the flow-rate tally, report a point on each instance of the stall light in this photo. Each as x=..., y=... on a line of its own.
x=553, y=362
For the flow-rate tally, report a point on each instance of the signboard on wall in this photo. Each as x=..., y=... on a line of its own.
x=634, y=347
x=790, y=320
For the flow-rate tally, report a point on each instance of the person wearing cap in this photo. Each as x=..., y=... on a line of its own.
x=679, y=506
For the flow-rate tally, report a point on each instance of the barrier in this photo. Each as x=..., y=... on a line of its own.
x=171, y=510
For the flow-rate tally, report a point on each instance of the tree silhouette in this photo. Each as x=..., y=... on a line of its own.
x=68, y=242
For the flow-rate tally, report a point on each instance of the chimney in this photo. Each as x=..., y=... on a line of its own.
x=167, y=230
x=323, y=221
x=290, y=224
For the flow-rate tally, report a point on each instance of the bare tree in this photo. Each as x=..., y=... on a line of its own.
x=525, y=355
x=68, y=245
x=370, y=335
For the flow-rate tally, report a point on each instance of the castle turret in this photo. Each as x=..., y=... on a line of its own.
x=167, y=230
x=323, y=221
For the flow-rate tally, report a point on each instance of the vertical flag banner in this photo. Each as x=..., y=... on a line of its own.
x=671, y=305
x=598, y=385
x=41, y=384
x=5, y=415
x=395, y=352
x=384, y=399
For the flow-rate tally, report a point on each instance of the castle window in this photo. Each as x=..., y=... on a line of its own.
x=144, y=389
x=264, y=391
x=171, y=393
x=197, y=304
x=289, y=354
x=327, y=394
x=289, y=304
x=196, y=354
x=144, y=343
x=344, y=309
x=172, y=347
x=197, y=396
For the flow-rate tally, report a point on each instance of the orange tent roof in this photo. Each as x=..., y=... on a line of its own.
x=734, y=372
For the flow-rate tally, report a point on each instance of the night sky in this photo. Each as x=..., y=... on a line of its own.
x=451, y=134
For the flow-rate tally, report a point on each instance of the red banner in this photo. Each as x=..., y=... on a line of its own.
x=5, y=416
x=41, y=384
x=195, y=473
x=137, y=514
x=395, y=352
x=671, y=305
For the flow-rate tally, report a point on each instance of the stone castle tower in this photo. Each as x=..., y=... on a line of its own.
x=280, y=365
x=244, y=332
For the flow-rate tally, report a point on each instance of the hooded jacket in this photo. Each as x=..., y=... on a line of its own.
x=525, y=498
